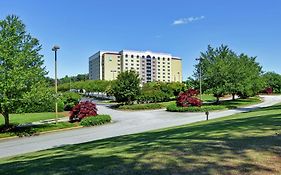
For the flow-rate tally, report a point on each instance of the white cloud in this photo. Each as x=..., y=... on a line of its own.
x=187, y=20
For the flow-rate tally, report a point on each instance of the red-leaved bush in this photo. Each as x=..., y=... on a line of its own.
x=188, y=98
x=268, y=90
x=82, y=110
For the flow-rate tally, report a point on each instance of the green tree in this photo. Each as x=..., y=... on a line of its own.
x=224, y=72
x=126, y=87
x=20, y=64
x=273, y=80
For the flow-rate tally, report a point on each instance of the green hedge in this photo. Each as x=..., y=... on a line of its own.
x=95, y=120
x=141, y=106
x=174, y=108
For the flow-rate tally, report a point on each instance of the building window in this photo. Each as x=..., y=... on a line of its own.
x=118, y=56
x=163, y=58
x=126, y=56
x=126, y=64
x=158, y=58
x=168, y=63
x=132, y=56
x=158, y=76
x=126, y=60
x=168, y=59
x=132, y=60
x=126, y=67
x=163, y=73
x=132, y=64
x=118, y=67
x=118, y=60
x=164, y=66
x=163, y=62
x=169, y=70
x=138, y=61
x=163, y=69
x=143, y=57
x=158, y=69
x=158, y=65
x=163, y=76
x=168, y=66
x=158, y=62
x=138, y=56
x=138, y=64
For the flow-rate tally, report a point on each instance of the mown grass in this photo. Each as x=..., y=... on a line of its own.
x=35, y=129
x=31, y=117
x=244, y=143
x=228, y=104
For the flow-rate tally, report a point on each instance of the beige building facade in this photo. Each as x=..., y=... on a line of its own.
x=151, y=66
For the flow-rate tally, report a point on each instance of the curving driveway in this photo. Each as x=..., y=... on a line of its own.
x=124, y=123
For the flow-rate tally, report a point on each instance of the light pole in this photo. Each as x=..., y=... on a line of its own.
x=113, y=71
x=55, y=48
x=200, y=76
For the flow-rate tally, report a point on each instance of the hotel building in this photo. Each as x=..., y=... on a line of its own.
x=106, y=65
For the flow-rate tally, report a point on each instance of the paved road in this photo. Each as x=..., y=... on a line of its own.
x=123, y=123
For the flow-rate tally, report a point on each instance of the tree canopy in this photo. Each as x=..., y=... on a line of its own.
x=21, y=65
x=225, y=72
x=126, y=87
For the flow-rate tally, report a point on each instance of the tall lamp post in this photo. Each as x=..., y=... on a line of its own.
x=200, y=76
x=55, y=48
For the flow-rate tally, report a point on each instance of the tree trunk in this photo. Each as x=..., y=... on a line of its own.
x=218, y=100
x=233, y=96
x=7, y=121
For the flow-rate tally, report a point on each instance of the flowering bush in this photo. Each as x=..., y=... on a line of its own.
x=188, y=98
x=268, y=90
x=82, y=110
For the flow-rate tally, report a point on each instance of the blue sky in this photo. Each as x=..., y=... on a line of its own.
x=183, y=28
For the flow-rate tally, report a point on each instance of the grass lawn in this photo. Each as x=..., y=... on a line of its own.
x=31, y=117
x=228, y=104
x=244, y=143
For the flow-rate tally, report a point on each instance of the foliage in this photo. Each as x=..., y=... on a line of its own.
x=82, y=110
x=175, y=108
x=127, y=87
x=186, y=99
x=141, y=106
x=70, y=99
x=268, y=90
x=223, y=72
x=88, y=85
x=21, y=65
x=273, y=80
x=95, y=120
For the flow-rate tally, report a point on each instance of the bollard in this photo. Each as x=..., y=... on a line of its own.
x=207, y=115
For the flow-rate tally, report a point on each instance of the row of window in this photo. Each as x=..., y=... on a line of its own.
x=132, y=56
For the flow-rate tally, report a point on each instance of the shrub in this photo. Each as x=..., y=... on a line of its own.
x=174, y=108
x=95, y=120
x=39, y=99
x=186, y=99
x=70, y=99
x=82, y=110
x=141, y=106
x=268, y=90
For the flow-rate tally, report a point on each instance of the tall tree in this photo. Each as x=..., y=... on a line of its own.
x=273, y=80
x=126, y=87
x=20, y=64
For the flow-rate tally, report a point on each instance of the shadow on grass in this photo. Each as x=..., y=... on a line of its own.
x=224, y=146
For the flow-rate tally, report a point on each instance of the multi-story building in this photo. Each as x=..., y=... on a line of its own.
x=106, y=65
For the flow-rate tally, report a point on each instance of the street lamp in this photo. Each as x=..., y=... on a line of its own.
x=200, y=75
x=55, y=48
x=113, y=71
